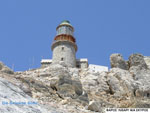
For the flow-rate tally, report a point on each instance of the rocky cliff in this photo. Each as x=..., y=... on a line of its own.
x=60, y=89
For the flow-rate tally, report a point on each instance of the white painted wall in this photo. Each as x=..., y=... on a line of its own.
x=97, y=68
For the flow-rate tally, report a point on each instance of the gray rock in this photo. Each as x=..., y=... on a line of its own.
x=147, y=61
x=142, y=103
x=84, y=97
x=14, y=100
x=141, y=82
x=102, y=83
x=67, y=90
x=69, y=86
x=141, y=75
x=5, y=69
x=117, y=61
x=64, y=78
x=120, y=82
x=137, y=60
x=89, y=81
x=64, y=83
x=94, y=106
x=77, y=86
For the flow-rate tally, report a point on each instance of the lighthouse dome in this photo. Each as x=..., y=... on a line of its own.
x=65, y=22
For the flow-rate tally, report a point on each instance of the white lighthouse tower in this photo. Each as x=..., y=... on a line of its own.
x=64, y=49
x=64, y=45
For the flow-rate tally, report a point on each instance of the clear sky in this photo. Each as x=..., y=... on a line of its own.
x=102, y=27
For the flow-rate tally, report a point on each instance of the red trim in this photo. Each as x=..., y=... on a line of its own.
x=65, y=37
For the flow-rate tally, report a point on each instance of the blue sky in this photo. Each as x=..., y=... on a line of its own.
x=102, y=27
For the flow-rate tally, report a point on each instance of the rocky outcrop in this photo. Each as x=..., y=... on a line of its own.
x=137, y=60
x=141, y=75
x=117, y=61
x=5, y=69
x=121, y=86
x=24, y=88
x=120, y=82
x=55, y=85
x=14, y=100
x=126, y=84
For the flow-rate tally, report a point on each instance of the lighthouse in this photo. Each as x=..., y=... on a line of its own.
x=64, y=48
x=64, y=45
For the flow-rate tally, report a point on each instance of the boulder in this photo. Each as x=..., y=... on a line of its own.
x=65, y=84
x=117, y=61
x=94, y=106
x=77, y=86
x=84, y=97
x=69, y=86
x=120, y=82
x=137, y=60
x=66, y=90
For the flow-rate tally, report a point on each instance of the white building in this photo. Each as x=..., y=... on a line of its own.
x=97, y=68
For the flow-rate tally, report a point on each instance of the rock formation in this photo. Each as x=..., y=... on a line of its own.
x=58, y=88
x=5, y=69
x=117, y=61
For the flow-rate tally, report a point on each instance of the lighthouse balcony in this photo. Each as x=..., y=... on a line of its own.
x=65, y=37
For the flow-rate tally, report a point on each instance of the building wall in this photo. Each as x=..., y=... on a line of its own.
x=64, y=51
x=45, y=64
x=82, y=63
x=97, y=68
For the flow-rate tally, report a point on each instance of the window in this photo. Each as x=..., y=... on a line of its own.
x=70, y=29
x=62, y=59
